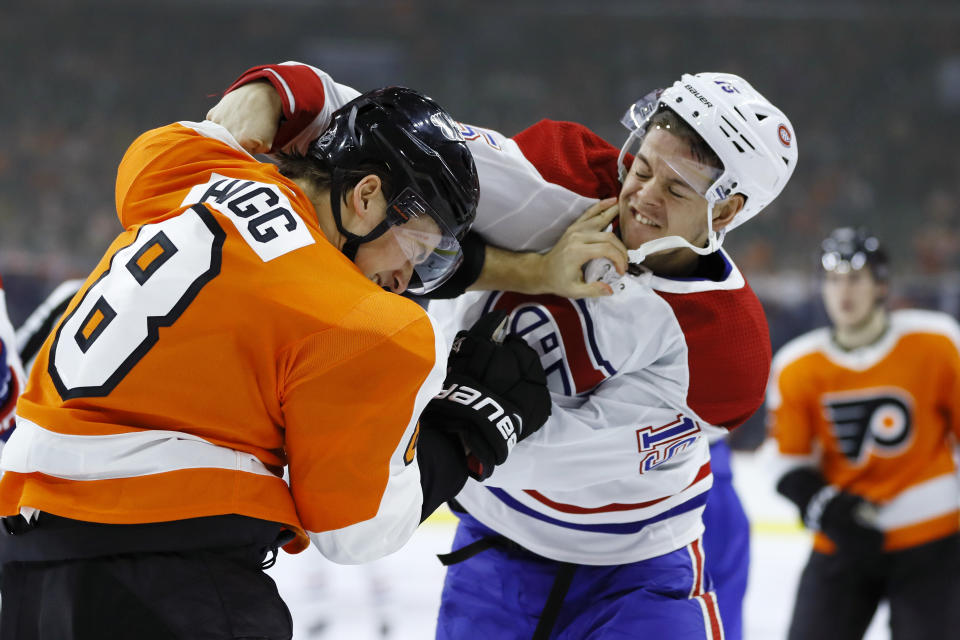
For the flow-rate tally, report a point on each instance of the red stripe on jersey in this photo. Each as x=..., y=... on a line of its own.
x=728, y=344
x=572, y=156
x=697, y=568
x=610, y=508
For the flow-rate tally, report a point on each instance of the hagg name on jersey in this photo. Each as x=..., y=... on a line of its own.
x=260, y=211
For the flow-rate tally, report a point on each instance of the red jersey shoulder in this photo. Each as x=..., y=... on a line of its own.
x=572, y=156
x=728, y=343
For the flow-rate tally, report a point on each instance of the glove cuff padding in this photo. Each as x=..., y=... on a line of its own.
x=813, y=514
x=443, y=467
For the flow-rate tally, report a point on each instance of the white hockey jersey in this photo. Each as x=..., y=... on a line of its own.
x=620, y=471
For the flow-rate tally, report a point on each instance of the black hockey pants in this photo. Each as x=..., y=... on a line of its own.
x=838, y=595
x=217, y=592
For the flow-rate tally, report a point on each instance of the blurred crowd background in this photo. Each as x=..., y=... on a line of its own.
x=872, y=88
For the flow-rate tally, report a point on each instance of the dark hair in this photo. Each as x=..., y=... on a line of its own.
x=318, y=171
x=665, y=118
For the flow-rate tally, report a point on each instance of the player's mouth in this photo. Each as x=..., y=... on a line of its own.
x=644, y=220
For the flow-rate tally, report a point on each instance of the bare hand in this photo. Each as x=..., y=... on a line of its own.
x=584, y=240
x=251, y=113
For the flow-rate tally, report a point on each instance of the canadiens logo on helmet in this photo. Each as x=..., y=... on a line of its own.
x=786, y=138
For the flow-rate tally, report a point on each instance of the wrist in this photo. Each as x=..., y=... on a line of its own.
x=521, y=272
x=532, y=278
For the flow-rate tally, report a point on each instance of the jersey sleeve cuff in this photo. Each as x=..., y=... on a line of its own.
x=301, y=94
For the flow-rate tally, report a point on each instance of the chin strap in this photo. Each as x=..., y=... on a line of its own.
x=352, y=241
x=714, y=242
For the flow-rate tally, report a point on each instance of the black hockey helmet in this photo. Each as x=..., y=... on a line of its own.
x=431, y=171
x=849, y=249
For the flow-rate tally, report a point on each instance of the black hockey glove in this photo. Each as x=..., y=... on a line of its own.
x=846, y=518
x=495, y=394
x=850, y=521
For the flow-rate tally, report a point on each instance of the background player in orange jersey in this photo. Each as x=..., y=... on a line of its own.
x=865, y=415
x=245, y=324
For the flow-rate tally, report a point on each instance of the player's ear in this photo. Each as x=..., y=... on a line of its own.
x=365, y=194
x=725, y=210
x=367, y=203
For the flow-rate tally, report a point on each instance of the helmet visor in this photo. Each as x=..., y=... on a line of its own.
x=430, y=247
x=640, y=112
x=690, y=169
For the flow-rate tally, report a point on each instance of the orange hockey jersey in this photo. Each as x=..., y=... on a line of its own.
x=882, y=419
x=220, y=340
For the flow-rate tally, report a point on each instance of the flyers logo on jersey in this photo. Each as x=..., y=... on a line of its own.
x=657, y=444
x=260, y=211
x=561, y=331
x=874, y=420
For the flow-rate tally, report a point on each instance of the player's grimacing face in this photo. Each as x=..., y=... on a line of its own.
x=655, y=200
x=851, y=297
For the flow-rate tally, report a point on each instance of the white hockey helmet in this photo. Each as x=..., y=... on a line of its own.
x=753, y=139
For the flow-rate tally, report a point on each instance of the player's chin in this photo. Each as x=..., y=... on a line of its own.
x=635, y=233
